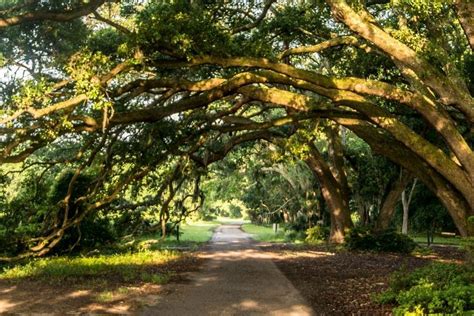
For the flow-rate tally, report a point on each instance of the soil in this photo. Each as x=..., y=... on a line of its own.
x=342, y=282
x=98, y=295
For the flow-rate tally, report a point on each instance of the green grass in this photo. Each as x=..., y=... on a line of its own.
x=198, y=232
x=128, y=261
x=263, y=233
x=126, y=267
x=192, y=235
x=105, y=297
x=441, y=240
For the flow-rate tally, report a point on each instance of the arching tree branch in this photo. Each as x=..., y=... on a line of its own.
x=60, y=16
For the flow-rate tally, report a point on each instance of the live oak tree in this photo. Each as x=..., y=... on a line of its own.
x=133, y=91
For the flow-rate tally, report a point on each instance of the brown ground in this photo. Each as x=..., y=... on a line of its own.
x=341, y=283
x=99, y=295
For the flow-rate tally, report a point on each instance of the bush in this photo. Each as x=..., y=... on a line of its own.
x=292, y=235
x=384, y=241
x=235, y=211
x=437, y=288
x=317, y=233
x=95, y=231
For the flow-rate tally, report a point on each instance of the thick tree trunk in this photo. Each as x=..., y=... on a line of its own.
x=465, y=12
x=333, y=194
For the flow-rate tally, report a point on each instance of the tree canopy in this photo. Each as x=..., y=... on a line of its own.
x=118, y=108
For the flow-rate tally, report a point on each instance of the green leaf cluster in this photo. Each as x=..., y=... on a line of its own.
x=437, y=288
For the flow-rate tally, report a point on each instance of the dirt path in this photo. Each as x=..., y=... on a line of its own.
x=237, y=279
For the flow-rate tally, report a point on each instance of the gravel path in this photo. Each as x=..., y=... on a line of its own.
x=237, y=279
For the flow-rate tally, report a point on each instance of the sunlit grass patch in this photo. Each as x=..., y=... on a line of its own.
x=105, y=297
x=198, y=232
x=191, y=236
x=263, y=233
x=156, y=278
x=127, y=266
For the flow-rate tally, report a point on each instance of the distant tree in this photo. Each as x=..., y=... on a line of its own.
x=145, y=94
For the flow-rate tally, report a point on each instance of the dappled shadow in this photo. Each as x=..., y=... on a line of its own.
x=238, y=278
x=344, y=282
x=104, y=294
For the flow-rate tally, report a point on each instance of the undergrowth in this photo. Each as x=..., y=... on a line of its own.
x=361, y=238
x=126, y=267
x=437, y=288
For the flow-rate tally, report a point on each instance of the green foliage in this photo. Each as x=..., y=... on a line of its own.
x=265, y=182
x=207, y=214
x=361, y=238
x=235, y=211
x=108, y=41
x=437, y=288
x=437, y=239
x=85, y=68
x=317, y=234
x=126, y=266
x=292, y=235
x=426, y=213
x=468, y=242
x=155, y=278
x=181, y=28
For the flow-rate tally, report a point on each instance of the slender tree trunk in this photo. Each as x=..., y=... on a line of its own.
x=391, y=200
x=406, y=200
x=454, y=201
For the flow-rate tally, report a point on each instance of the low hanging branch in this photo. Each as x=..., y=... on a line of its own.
x=59, y=16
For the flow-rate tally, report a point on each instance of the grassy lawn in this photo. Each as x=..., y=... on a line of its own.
x=443, y=240
x=133, y=259
x=264, y=233
x=124, y=267
x=121, y=274
x=191, y=236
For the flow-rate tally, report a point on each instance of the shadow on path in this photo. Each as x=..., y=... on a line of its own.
x=237, y=279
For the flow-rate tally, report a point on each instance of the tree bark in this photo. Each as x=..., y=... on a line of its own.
x=406, y=200
x=391, y=200
x=333, y=194
x=361, y=24
x=465, y=12
x=383, y=144
x=62, y=16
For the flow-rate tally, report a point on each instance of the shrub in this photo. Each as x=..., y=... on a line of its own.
x=385, y=241
x=437, y=288
x=292, y=235
x=317, y=233
x=235, y=211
